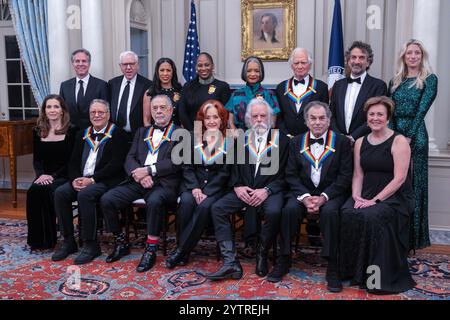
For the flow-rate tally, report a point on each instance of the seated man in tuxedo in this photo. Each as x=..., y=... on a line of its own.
x=295, y=93
x=96, y=165
x=350, y=94
x=258, y=181
x=151, y=176
x=79, y=92
x=319, y=174
x=126, y=93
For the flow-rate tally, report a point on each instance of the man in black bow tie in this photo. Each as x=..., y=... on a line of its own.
x=319, y=174
x=295, y=93
x=151, y=176
x=350, y=94
x=96, y=165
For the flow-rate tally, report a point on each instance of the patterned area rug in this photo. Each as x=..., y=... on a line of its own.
x=35, y=276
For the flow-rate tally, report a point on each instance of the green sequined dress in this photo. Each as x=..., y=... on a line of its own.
x=412, y=105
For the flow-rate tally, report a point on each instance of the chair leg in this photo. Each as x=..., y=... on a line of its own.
x=164, y=232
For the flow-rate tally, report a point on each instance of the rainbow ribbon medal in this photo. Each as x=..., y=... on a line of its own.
x=328, y=150
x=209, y=158
x=166, y=137
x=253, y=150
x=91, y=142
x=299, y=99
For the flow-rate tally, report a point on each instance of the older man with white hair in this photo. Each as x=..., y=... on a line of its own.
x=126, y=94
x=295, y=93
x=258, y=182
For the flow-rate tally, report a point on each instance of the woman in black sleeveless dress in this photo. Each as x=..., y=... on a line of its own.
x=375, y=220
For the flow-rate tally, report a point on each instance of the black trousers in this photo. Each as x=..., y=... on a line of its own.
x=192, y=219
x=87, y=208
x=230, y=203
x=41, y=216
x=294, y=211
x=156, y=198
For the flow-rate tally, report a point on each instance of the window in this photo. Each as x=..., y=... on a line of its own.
x=5, y=15
x=21, y=102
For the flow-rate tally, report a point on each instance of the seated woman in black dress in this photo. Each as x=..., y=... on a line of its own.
x=204, y=179
x=53, y=139
x=165, y=81
x=203, y=87
x=375, y=220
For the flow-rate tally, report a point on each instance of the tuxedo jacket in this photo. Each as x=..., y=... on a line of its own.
x=110, y=158
x=371, y=87
x=289, y=121
x=136, y=109
x=210, y=178
x=244, y=174
x=167, y=173
x=96, y=89
x=336, y=174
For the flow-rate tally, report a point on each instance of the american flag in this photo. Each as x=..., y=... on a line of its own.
x=192, y=47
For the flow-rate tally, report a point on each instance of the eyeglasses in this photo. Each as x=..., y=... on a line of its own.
x=126, y=65
x=163, y=108
x=100, y=113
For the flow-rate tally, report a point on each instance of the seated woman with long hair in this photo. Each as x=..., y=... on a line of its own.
x=53, y=139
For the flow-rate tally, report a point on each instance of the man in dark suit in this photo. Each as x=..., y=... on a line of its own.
x=350, y=94
x=295, y=93
x=258, y=182
x=151, y=176
x=126, y=94
x=96, y=165
x=319, y=173
x=79, y=92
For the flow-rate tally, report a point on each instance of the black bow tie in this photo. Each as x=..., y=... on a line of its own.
x=159, y=128
x=98, y=136
x=319, y=141
x=351, y=80
x=296, y=82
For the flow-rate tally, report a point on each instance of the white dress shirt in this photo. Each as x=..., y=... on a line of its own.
x=350, y=99
x=300, y=89
x=127, y=127
x=85, y=85
x=316, y=150
x=260, y=143
x=152, y=158
x=89, y=167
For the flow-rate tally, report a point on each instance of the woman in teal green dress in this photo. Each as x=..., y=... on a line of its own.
x=253, y=75
x=413, y=89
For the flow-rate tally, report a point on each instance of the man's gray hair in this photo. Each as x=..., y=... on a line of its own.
x=86, y=52
x=257, y=102
x=128, y=53
x=297, y=50
x=101, y=101
x=163, y=96
x=316, y=104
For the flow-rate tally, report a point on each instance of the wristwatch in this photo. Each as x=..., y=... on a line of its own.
x=269, y=192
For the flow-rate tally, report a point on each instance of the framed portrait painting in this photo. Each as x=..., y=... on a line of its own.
x=268, y=29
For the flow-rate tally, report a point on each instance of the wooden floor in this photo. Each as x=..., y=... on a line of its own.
x=7, y=211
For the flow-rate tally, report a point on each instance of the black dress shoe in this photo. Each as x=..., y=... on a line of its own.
x=147, y=261
x=278, y=272
x=174, y=259
x=87, y=254
x=262, y=267
x=233, y=271
x=334, y=285
x=184, y=260
x=120, y=250
x=67, y=248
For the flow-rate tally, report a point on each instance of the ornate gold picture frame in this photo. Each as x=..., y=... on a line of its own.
x=268, y=29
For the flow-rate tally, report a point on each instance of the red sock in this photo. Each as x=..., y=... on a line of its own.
x=152, y=241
